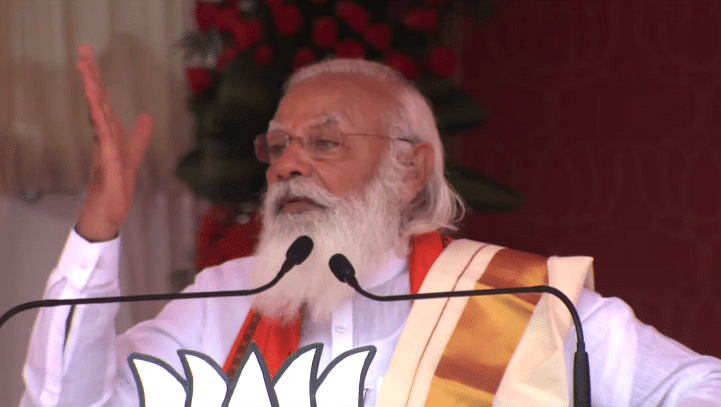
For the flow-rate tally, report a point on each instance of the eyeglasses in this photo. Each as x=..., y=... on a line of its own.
x=324, y=144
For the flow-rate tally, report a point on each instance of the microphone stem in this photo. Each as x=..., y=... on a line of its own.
x=296, y=254
x=468, y=293
x=134, y=298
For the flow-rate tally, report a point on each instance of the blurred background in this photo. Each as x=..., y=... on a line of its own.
x=572, y=128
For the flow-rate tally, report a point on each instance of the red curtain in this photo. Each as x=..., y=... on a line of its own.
x=606, y=115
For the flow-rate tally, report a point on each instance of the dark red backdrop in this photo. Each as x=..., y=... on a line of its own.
x=607, y=115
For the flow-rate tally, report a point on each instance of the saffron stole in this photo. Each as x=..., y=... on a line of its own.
x=486, y=351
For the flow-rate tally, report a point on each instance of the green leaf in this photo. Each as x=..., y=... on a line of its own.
x=482, y=193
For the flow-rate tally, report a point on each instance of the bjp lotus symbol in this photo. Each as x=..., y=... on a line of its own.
x=296, y=384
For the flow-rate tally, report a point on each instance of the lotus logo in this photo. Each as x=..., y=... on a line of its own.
x=296, y=384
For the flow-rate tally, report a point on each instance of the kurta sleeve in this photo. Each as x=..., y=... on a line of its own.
x=632, y=364
x=75, y=357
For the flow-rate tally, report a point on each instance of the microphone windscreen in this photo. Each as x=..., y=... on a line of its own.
x=299, y=250
x=341, y=267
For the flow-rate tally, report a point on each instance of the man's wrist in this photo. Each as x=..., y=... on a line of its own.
x=95, y=237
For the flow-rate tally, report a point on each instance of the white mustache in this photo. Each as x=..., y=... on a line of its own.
x=298, y=188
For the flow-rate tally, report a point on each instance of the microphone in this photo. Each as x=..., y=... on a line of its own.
x=298, y=251
x=344, y=271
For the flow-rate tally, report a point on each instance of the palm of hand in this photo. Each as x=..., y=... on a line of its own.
x=116, y=158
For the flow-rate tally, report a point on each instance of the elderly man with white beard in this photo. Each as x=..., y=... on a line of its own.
x=356, y=163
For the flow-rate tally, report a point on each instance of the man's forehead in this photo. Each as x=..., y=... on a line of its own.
x=325, y=119
x=348, y=84
x=350, y=101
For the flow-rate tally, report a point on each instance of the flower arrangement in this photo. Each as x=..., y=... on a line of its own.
x=243, y=50
x=402, y=34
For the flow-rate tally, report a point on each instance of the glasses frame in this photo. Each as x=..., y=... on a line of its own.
x=260, y=143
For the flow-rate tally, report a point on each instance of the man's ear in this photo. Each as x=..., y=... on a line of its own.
x=418, y=163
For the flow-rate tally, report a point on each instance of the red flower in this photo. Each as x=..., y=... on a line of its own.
x=303, y=56
x=257, y=31
x=422, y=20
x=263, y=55
x=242, y=35
x=246, y=33
x=324, y=32
x=349, y=48
x=403, y=64
x=288, y=19
x=228, y=55
x=353, y=14
x=220, y=238
x=199, y=79
x=441, y=61
x=226, y=18
x=378, y=36
x=205, y=13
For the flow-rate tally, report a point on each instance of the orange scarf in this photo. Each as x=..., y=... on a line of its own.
x=276, y=342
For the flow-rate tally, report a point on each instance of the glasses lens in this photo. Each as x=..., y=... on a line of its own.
x=276, y=143
x=325, y=143
x=322, y=144
x=261, y=148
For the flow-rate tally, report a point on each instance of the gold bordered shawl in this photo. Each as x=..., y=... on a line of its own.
x=486, y=351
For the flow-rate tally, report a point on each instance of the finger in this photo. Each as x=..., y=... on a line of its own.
x=87, y=56
x=97, y=111
x=95, y=158
x=90, y=85
x=92, y=124
x=111, y=117
x=140, y=138
x=108, y=149
x=100, y=110
x=90, y=73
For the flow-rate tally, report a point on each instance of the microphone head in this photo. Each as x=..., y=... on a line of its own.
x=299, y=250
x=341, y=267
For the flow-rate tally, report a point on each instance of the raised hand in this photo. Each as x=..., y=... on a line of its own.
x=115, y=161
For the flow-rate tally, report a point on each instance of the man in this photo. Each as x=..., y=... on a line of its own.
x=357, y=164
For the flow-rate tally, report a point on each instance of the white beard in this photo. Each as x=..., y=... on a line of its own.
x=364, y=228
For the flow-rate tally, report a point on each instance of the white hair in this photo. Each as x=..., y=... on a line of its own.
x=438, y=205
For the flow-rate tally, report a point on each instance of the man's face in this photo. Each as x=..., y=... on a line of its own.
x=348, y=104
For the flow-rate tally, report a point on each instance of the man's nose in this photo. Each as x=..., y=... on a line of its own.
x=292, y=163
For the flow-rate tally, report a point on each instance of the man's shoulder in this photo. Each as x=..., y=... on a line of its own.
x=526, y=253
x=518, y=264
x=500, y=250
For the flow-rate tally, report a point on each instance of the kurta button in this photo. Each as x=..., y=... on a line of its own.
x=340, y=329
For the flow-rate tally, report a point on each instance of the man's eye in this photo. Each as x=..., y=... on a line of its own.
x=276, y=150
x=325, y=144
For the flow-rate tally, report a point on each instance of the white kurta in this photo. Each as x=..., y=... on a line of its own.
x=631, y=363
